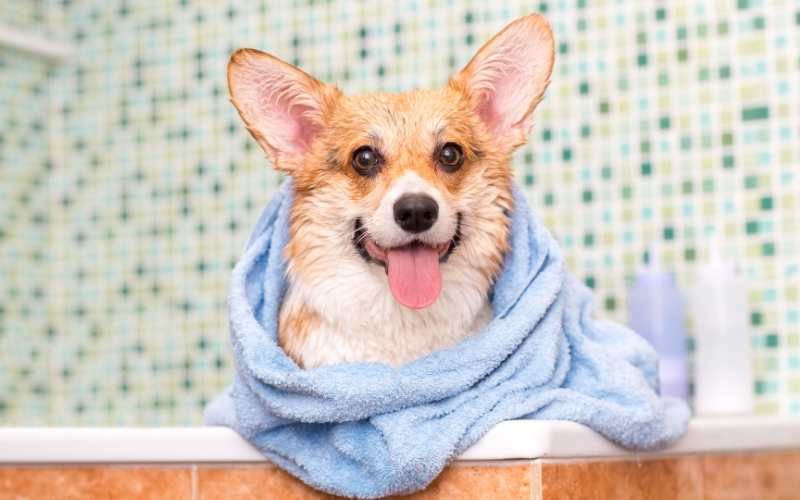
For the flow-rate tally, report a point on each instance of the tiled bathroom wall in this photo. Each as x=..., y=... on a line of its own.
x=30, y=15
x=129, y=184
x=24, y=205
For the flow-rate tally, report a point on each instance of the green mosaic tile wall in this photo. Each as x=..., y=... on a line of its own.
x=24, y=169
x=665, y=121
x=28, y=15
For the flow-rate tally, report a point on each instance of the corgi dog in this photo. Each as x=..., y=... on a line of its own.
x=400, y=218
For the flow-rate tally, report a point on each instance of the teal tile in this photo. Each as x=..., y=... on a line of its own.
x=755, y=113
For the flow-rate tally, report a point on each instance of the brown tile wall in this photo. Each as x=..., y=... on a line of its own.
x=665, y=479
x=748, y=476
x=740, y=476
x=87, y=483
x=465, y=482
x=763, y=476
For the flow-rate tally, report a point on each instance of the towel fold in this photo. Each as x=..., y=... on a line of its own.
x=367, y=430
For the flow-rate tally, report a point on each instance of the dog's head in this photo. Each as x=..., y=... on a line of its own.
x=414, y=183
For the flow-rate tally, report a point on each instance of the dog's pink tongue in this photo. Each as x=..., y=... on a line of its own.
x=414, y=276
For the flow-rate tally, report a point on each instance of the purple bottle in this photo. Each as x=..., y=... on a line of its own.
x=655, y=307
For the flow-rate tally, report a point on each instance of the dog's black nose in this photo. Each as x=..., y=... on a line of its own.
x=415, y=212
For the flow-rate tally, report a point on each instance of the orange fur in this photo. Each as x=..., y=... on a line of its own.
x=323, y=192
x=296, y=326
x=406, y=129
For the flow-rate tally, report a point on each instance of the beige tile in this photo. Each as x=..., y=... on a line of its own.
x=479, y=482
x=730, y=477
x=463, y=482
x=251, y=482
x=765, y=476
x=87, y=483
x=667, y=479
x=779, y=476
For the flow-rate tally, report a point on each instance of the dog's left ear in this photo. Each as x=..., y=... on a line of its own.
x=507, y=78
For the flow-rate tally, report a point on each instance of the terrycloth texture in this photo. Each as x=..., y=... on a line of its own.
x=368, y=430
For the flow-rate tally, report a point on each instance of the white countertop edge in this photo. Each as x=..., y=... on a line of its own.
x=517, y=439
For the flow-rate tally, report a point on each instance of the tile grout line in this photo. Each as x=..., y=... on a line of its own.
x=702, y=479
x=195, y=493
x=536, y=479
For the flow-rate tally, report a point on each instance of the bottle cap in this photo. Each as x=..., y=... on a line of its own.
x=717, y=266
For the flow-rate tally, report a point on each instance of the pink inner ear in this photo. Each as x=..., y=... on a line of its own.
x=300, y=129
x=506, y=102
x=510, y=86
x=279, y=103
x=487, y=111
x=510, y=75
x=285, y=116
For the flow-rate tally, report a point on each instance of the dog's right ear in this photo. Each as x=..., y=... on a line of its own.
x=281, y=105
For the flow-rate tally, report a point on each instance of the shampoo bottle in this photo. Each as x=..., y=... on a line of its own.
x=656, y=313
x=723, y=374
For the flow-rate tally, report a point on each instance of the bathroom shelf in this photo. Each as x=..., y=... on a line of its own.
x=516, y=439
x=56, y=51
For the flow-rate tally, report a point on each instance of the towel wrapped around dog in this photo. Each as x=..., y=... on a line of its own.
x=367, y=430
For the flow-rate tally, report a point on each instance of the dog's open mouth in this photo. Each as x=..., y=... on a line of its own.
x=415, y=279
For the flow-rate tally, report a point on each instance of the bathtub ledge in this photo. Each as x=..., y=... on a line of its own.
x=518, y=439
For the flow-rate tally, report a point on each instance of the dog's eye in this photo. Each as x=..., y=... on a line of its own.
x=450, y=157
x=366, y=160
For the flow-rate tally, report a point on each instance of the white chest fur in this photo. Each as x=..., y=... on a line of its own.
x=359, y=320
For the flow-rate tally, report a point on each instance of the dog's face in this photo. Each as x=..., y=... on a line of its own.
x=413, y=189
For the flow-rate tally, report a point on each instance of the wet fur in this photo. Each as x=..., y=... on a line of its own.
x=347, y=299
x=338, y=306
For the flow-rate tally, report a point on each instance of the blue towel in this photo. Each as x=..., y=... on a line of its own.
x=367, y=430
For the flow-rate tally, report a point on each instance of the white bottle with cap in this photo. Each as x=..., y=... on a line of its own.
x=723, y=373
